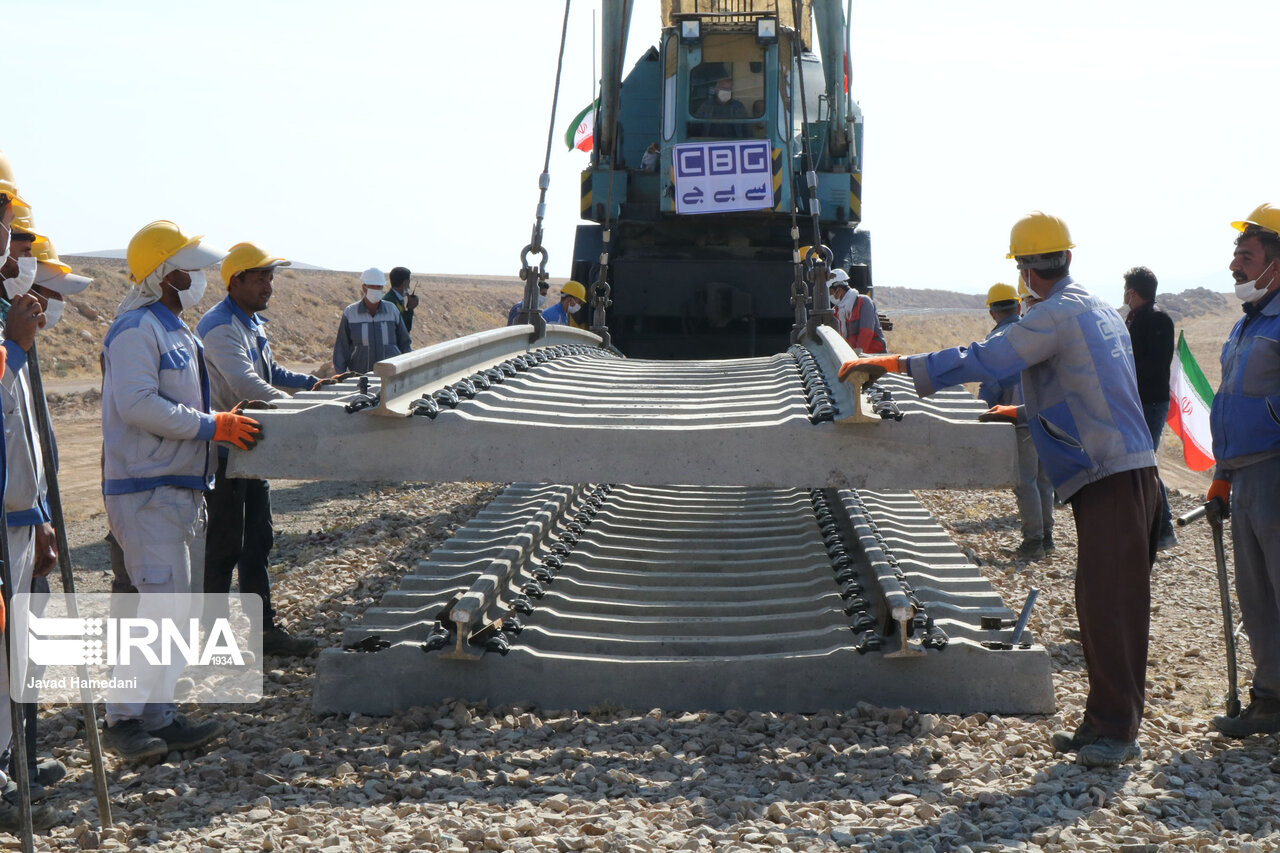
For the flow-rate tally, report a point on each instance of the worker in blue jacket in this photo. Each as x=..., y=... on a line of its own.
x=1245, y=419
x=569, y=310
x=1082, y=406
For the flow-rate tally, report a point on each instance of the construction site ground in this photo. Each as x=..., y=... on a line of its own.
x=468, y=777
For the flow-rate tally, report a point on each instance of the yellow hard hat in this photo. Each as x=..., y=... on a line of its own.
x=23, y=223
x=1038, y=234
x=8, y=184
x=162, y=241
x=573, y=288
x=1001, y=293
x=45, y=254
x=247, y=256
x=1264, y=216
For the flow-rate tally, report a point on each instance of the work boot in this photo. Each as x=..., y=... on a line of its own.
x=1108, y=752
x=1168, y=539
x=42, y=817
x=1072, y=741
x=1028, y=552
x=128, y=739
x=1047, y=544
x=278, y=641
x=1262, y=717
x=50, y=771
x=182, y=734
x=10, y=791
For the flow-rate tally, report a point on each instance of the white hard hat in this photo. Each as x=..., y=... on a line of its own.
x=837, y=276
x=373, y=277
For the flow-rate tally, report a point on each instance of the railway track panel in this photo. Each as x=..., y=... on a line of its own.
x=691, y=598
x=494, y=407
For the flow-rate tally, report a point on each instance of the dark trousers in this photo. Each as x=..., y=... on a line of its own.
x=1117, y=524
x=240, y=534
x=1155, y=414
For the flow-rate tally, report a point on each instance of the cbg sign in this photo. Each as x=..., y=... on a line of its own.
x=716, y=177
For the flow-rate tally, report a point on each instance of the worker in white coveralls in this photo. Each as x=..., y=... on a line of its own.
x=157, y=464
x=29, y=533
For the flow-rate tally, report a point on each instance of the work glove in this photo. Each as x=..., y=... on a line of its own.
x=1219, y=489
x=260, y=405
x=333, y=380
x=876, y=365
x=3, y=358
x=1000, y=414
x=237, y=430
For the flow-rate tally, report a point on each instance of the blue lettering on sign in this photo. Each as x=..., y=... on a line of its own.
x=712, y=177
x=755, y=158
x=691, y=162
x=724, y=159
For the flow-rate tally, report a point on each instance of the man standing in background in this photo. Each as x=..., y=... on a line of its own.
x=400, y=296
x=1151, y=331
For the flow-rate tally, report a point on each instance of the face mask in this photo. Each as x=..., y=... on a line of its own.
x=374, y=296
x=53, y=313
x=1246, y=291
x=573, y=309
x=191, y=296
x=723, y=95
x=26, y=277
x=542, y=300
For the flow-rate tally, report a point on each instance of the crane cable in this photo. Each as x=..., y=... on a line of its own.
x=535, y=276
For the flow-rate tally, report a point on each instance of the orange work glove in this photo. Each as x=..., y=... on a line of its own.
x=2, y=360
x=876, y=364
x=1000, y=413
x=3, y=616
x=236, y=430
x=1219, y=489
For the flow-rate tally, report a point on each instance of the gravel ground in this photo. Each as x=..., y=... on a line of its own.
x=462, y=777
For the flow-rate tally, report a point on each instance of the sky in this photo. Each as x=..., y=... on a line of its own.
x=402, y=132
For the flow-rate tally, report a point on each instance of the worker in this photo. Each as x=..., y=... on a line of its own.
x=720, y=104
x=11, y=202
x=1033, y=491
x=1082, y=407
x=1151, y=331
x=1028, y=299
x=514, y=313
x=32, y=541
x=649, y=162
x=156, y=428
x=1245, y=419
x=400, y=296
x=568, y=311
x=369, y=331
x=241, y=367
x=856, y=317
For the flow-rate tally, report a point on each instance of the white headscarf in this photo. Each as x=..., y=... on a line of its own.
x=148, y=292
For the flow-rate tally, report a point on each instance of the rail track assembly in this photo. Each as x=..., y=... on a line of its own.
x=790, y=570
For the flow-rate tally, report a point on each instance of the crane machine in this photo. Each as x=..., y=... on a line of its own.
x=758, y=146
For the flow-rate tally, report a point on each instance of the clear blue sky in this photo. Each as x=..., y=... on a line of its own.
x=383, y=133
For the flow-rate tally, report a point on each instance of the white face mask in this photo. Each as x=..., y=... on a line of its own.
x=190, y=297
x=26, y=277
x=374, y=296
x=542, y=300
x=723, y=95
x=1247, y=291
x=53, y=312
x=573, y=309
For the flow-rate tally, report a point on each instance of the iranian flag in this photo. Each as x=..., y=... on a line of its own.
x=1190, y=399
x=581, y=133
